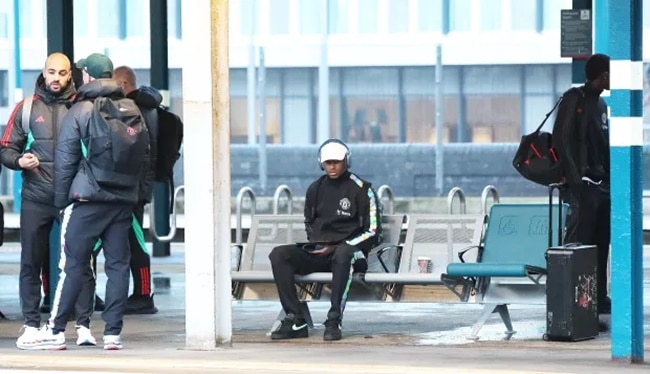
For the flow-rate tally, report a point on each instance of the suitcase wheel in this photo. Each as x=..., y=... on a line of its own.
x=545, y=337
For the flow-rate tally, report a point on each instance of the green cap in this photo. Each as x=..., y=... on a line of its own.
x=96, y=65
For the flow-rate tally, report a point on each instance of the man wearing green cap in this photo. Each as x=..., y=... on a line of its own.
x=99, y=169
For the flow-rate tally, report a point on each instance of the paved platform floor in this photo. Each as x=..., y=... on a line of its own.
x=378, y=338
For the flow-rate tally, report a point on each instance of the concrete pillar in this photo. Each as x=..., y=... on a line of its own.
x=206, y=114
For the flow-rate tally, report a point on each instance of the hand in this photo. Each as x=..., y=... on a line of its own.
x=28, y=161
x=324, y=250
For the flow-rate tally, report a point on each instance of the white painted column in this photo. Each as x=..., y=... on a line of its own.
x=206, y=113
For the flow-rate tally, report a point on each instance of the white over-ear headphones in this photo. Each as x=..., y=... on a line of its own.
x=338, y=141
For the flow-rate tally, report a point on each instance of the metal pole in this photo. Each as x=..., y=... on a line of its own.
x=262, y=101
x=206, y=105
x=323, y=128
x=18, y=96
x=250, y=77
x=440, y=169
x=623, y=20
x=60, y=33
x=578, y=77
x=159, y=65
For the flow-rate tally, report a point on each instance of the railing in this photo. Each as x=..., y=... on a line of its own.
x=173, y=216
x=456, y=191
x=385, y=189
x=283, y=188
x=245, y=191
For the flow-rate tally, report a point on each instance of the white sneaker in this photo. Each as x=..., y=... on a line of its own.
x=85, y=337
x=28, y=339
x=46, y=339
x=112, y=342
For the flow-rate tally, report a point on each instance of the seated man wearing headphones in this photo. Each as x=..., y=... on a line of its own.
x=342, y=220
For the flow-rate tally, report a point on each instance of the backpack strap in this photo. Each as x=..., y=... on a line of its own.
x=27, y=113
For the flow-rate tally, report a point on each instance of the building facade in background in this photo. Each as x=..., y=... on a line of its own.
x=502, y=67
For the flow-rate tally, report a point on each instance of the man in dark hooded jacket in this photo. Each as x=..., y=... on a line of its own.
x=28, y=145
x=97, y=183
x=148, y=99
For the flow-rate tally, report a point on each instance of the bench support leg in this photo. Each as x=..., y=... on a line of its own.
x=488, y=309
x=505, y=317
x=305, y=313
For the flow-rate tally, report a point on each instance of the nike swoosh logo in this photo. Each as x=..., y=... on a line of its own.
x=296, y=328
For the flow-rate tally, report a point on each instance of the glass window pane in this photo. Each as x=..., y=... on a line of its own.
x=4, y=88
x=490, y=15
x=459, y=15
x=107, y=22
x=552, y=13
x=398, y=16
x=646, y=14
x=3, y=26
x=562, y=78
x=368, y=16
x=310, y=16
x=249, y=16
x=80, y=17
x=371, y=119
x=25, y=9
x=494, y=119
x=430, y=15
x=492, y=79
x=338, y=16
x=370, y=81
x=539, y=79
x=174, y=18
x=279, y=17
x=421, y=119
x=137, y=18
x=524, y=15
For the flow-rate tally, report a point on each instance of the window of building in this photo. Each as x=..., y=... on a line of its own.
x=309, y=13
x=371, y=105
x=4, y=88
x=524, y=15
x=552, y=13
x=137, y=18
x=80, y=17
x=249, y=13
x=338, y=16
x=398, y=16
x=279, y=17
x=26, y=15
x=430, y=15
x=4, y=27
x=490, y=15
x=108, y=23
x=460, y=14
x=174, y=19
x=367, y=16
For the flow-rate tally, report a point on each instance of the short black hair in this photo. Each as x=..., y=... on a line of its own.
x=596, y=65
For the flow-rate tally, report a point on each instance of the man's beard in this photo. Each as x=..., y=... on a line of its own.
x=59, y=90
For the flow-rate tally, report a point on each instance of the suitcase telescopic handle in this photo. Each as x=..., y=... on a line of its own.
x=551, y=187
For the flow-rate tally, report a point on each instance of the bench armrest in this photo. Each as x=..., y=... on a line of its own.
x=462, y=252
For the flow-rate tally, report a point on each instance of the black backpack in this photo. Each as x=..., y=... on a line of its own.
x=116, y=143
x=170, y=138
x=536, y=159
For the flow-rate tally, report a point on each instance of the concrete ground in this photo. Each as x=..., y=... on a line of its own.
x=378, y=338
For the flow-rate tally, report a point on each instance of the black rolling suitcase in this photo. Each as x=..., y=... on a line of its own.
x=571, y=305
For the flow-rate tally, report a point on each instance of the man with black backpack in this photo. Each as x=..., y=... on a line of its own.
x=343, y=223
x=148, y=99
x=97, y=182
x=581, y=139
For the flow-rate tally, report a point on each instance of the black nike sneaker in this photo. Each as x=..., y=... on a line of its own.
x=291, y=327
x=332, y=330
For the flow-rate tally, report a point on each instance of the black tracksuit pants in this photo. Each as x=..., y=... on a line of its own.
x=36, y=222
x=140, y=260
x=83, y=225
x=589, y=223
x=287, y=260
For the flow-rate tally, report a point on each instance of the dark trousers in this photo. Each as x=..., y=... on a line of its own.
x=140, y=260
x=287, y=260
x=589, y=223
x=36, y=222
x=84, y=224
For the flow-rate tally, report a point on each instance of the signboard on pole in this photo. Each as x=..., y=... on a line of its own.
x=576, y=33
